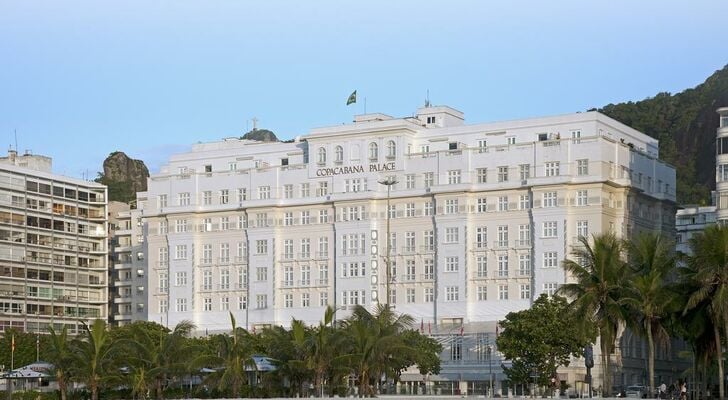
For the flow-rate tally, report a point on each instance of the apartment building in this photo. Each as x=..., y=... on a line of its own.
x=478, y=222
x=53, y=252
x=127, y=284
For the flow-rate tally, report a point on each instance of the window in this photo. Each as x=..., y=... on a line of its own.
x=180, y=252
x=428, y=209
x=451, y=264
x=524, y=264
x=207, y=197
x=224, y=253
x=288, y=191
x=338, y=154
x=321, y=156
x=287, y=219
x=552, y=168
x=180, y=225
x=323, y=217
x=429, y=179
x=409, y=241
x=550, y=288
x=429, y=295
x=391, y=150
x=180, y=279
x=261, y=219
x=261, y=246
x=429, y=240
x=323, y=299
x=481, y=264
x=431, y=120
x=451, y=206
x=581, y=198
x=263, y=192
x=549, y=229
x=163, y=256
x=502, y=203
x=288, y=249
x=261, y=300
x=224, y=196
x=550, y=259
x=355, y=185
x=163, y=306
x=410, y=181
x=429, y=267
x=206, y=254
x=305, y=190
x=502, y=292
x=582, y=167
x=524, y=171
x=409, y=210
x=511, y=140
x=524, y=235
x=373, y=152
x=582, y=229
x=410, y=295
x=305, y=275
x=242, y=194
x=181, y=305
x=549, y=199
x=482, y=175
x=482, y=293
x=305, y=217
x=305, y=248
x=524, y=202
x=183, y=199
x=224, y=303
x=481, y=237
x=163, y=282
x=323, y=189
x=261, y=274
x=503, y=265
x=453, y=176
x=482, y=205
x=451, y=235
x=502, y=174
x=242, y=302
x=482, y=145
x=207, y=280
x=502, y=236
x=525, y=290
x=162, y=201
x=305, y=300
x=288, y=300
x=452, y=293
x=224, y=223
x=242, y=278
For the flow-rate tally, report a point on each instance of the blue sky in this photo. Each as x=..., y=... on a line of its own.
x=80, y=79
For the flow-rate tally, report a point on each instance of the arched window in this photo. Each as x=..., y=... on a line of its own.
x=339, y=154
x=373, y=151
x=321, y=155
x=391, y=149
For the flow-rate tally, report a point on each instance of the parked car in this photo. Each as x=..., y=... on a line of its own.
x=636, y=391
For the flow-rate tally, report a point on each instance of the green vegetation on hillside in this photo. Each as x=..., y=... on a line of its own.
x=685, y=124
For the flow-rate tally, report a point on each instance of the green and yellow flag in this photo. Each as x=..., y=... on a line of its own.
x=352, y=98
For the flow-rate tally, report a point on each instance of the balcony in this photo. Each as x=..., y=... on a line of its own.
x=500, y=244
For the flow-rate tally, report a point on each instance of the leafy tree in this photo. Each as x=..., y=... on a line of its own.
x=541, y=339
x=648, y=296
x=426, y=352
x=25, y=347
x=709, y=263
x=599, y=278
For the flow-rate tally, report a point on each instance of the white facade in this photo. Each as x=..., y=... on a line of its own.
x=721, y=165
x=481, y=217
x=689, y=221
x=128, y=283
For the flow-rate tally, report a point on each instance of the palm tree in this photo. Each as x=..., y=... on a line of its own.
x=709, y=261
x=160, y=353
x=375, y=344
x=93, y=357
x=320, y=356
x=648, y=299
x=59, y=354
x=599, y=276
x=234, y=354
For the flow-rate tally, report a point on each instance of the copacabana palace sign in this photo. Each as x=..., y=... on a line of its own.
x=355, y=169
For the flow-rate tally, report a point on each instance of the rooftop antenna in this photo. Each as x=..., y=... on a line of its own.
x=16, y=139
x=427, y=99
x=255, y=124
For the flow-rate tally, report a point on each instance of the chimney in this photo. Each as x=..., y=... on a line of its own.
x=12, y=154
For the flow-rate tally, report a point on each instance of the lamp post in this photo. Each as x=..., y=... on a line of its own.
x=389, y=181
x=490, y=371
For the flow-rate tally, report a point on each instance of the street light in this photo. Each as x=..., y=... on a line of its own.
x=389, y=181
x=490, y=370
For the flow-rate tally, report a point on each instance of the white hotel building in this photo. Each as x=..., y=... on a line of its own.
x=481, y=217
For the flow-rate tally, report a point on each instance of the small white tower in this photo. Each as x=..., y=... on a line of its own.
x=721, y=165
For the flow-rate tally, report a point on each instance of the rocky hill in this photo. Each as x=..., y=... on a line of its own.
x=124, y=176
x=262, y=135
x=685, y=124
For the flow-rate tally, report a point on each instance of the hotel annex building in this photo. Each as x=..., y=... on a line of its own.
x=481, y=217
